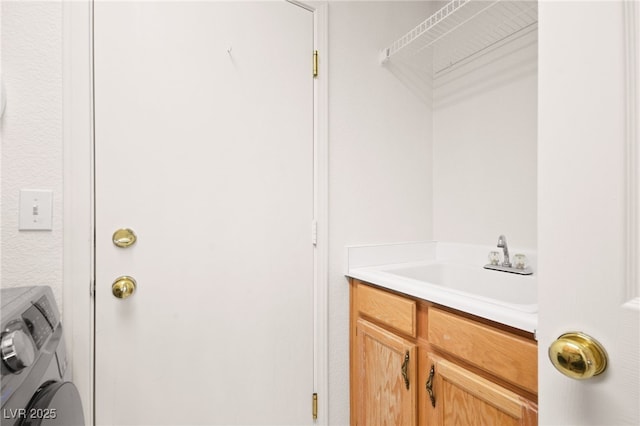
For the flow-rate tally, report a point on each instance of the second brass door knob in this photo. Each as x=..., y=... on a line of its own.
x=123, y=287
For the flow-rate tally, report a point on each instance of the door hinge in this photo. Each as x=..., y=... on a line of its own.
x=314, y=406
x=315, y=63
x=314, y=232
x=92, y=288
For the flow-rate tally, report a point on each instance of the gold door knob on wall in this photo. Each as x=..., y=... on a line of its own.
x=123, y=287
x=124, y=238
x=578, y=356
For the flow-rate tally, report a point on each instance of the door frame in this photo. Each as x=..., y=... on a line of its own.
x=632, y=84
x=79, y=200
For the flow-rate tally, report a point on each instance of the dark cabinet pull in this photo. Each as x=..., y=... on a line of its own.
x=405, y=365
x=430, y=385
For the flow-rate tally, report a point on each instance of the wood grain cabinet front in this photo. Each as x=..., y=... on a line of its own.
x=507, y=356
x=386, y=377
x=456, y=396
x=417, y=363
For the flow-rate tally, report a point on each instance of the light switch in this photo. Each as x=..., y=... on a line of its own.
x=36, y=210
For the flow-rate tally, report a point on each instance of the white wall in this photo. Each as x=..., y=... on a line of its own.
x=32, y=149
x=484, y=148
x=380, y=158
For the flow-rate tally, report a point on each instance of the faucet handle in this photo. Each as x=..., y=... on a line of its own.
x=519, y=261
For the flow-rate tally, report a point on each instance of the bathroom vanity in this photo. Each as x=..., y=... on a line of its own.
x=416, y=362
x=437, y=339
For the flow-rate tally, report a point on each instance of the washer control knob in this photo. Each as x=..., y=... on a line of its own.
x=17, y=350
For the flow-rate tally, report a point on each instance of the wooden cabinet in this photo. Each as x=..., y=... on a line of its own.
x=383, y=358
x=505, y=355
x=460, y=397
x=386, y=377
x=404, y=351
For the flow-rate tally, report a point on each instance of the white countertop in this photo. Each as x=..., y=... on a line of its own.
x=367, y=263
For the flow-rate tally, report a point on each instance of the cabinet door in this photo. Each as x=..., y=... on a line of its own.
x=464, y=398
x=386, y=377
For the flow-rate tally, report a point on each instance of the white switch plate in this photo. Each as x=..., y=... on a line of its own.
x=36, y=210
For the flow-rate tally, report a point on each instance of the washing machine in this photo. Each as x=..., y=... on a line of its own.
x=35, y=379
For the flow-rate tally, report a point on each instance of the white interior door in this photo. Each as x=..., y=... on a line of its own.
x=588, y=205
x=204, y=148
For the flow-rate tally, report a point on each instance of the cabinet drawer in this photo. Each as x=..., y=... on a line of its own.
x=386, y=308
x=498, y=352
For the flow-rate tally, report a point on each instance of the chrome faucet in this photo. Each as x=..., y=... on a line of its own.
x=502, y=243
x=506, y=266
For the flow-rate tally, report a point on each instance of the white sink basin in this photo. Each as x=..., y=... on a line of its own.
x=501, y=288
x=451, y=274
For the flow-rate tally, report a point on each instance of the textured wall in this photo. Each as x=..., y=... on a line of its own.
x=32, y=150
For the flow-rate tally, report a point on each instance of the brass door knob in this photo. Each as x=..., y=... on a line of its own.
x=123, y=287
x=578, y=356
x=124, y=238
